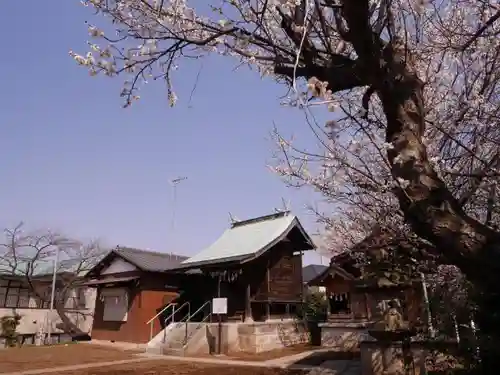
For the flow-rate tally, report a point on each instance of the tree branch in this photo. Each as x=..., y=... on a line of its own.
x=342, y=74
x=481, y=30
x=478, y=178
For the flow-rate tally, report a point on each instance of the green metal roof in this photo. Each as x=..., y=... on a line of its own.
x=248, y=239
x=45, y=267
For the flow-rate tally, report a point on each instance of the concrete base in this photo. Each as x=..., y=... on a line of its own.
x=343, y=336
x=379, y=358
x=260, y=337
x=253, y=337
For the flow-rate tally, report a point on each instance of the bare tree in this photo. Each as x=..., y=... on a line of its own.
x=29, y=258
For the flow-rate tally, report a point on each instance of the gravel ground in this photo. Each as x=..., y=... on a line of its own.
x=39, y=357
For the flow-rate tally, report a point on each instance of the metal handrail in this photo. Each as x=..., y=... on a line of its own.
x=151, y=321
x=197, y=311
x=173, y=315
x=162, y=310
x=186, y=338
x=177, y=310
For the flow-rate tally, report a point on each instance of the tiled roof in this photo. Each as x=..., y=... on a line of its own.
x=312, y=271
x=249, y=238
x=150, y=260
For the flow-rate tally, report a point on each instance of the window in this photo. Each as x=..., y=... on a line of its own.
x=12, y=296
x=75, y=298
x=43, y=303
x=15, y=295
x=115, y=303
x=81, y=298
x=70, y=299
x=340, y=303
x=3, y=295
x=23, y=301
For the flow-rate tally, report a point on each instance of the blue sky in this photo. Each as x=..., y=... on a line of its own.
x=73, y=160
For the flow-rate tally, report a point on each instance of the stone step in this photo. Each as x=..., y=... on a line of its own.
x=174, y=345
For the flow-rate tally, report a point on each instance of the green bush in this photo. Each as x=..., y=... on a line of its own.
x=314, y=307
x=8, y=325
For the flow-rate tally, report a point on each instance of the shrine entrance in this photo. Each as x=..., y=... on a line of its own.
x=339, y=303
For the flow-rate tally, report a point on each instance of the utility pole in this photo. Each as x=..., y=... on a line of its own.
x=174, y=182
x=52, y=296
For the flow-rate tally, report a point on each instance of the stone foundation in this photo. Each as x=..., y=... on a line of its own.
x=256, y=337
x=343, y=336
x=206, y=339
x=378, y=358
x=265, y=336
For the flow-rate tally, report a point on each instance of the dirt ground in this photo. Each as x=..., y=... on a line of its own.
x=38, y=357
x=158, y=367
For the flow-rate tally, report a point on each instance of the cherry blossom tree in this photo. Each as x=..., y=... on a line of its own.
x=413, y=91
x=449, y=298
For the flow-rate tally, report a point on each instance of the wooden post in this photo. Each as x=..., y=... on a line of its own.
x=248, y=304
x=367, y=307
x=268, y=290
x=219, y=318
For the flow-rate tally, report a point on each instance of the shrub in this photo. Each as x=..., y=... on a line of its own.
x=8, y=325
x=315, y=307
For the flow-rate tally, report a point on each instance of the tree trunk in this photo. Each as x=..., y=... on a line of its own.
x=434, y=213
x=66, y=325
x=429, y=207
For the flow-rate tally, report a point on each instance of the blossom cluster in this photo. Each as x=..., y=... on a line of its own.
x=452, y=46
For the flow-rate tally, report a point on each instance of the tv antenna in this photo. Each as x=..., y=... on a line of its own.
x=174, y=182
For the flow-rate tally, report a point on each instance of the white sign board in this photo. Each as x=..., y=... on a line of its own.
x=219, y=306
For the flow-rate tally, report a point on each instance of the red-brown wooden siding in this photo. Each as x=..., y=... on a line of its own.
x=143, y=306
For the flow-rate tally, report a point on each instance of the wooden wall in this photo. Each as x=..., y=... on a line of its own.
x=145, y=299
x=338, y=285
x=143, y=305
x=278, y=276
x=285, y=278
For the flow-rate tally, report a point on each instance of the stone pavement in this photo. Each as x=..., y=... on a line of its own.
x=326, y=368
x=329, y=367
x=289, y=359
x=338, y=367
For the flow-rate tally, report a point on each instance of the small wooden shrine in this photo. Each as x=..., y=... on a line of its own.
x=358, y=288
x=256, y=264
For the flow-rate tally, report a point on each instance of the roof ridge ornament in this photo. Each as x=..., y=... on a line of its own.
x=233, y=219
x=275, y=215
x=285, y=209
